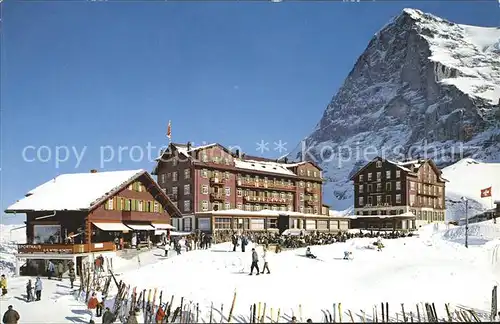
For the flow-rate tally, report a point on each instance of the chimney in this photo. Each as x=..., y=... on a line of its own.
x=238, y=154
x=93, y=171
x=286, y=160
x=188, y=146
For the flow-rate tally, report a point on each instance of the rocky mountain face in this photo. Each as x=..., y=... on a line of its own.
x=424, y=87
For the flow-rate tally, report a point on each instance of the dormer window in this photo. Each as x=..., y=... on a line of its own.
x=379, y=164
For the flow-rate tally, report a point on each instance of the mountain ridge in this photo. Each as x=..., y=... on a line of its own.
x=423, y=87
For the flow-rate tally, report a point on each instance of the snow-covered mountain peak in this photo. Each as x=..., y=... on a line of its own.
x=423, y=87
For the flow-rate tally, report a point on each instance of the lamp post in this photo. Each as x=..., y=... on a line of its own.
x=466, y=221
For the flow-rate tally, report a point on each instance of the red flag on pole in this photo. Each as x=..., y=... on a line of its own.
x=486, y=192
x=169, y=130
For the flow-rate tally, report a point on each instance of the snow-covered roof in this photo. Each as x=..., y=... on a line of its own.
x=273, y=167
x=75, y=191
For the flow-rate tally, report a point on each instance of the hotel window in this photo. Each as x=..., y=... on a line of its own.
x=162, y=178
x=222, y=223
x=187, y=225
x=226, y=175
x=398, y=185
x=227, y=206
x=110, y=204
x=369, y=188
x=204, y=173
x=301, y=197
x=369, y=200
x=308, y=173
x=239, y=193
x=174, y=161
x=379, y=164
x=301, y=171
x=379, y=187
x=204, y=157
x=369, y=176
x=187, y=205
x=388, y=199
x=239, y=206
x=412, y=185
x=388, y=187
x=379, y=200
x=227, y=161
x=315, y=210
x=228, y=191
x=360, y=188
x=315, y=174
x=187, y=173
x=174, y=176
x=204, y=190
x=379, y=176
x=360, y=178
x=388, y=174
x=301, y=208
x=308, y=184
x=175, y=190
x=187, y=189
x=248, y=207
x=139, y=205
x=361, y=201
x=412, y=200
x=398, y=198
x=204, y=205
x=301, y=184
x=398, y=173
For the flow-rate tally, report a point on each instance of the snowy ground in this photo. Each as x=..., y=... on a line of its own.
x=433, y=267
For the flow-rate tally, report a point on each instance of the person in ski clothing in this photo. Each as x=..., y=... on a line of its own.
x=60, y=270
x=38, y=288
x=72, y=276
x=234, y=240
x=264, y=258
x=29, y=291
x=244, y=243
x=131, y=318
x=167, y=248
x=3, y=285
x=92, y=304
x=51, y=269
x=346, y=255
x=309, y=253
x=99, y=297
x=255, y=262
x=160, y=314
x=11, y=316
x=108, y=317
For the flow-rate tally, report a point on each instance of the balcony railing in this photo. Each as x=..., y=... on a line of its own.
x=65, y=248
x=216, y=196
x=217, y=181
x=268, y=200
x=265, y=185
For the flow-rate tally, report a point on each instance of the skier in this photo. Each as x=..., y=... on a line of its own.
x=60, y=270
x=264, y=258
x=51, y=269
x=244, y=243
x=379, y=244
x=235, y=242
x=99, y=297
x=38, y=288
x=3, y=285
x=309, y=253
x=29, y=291
x=167, y=247
x=347, y=254
x=11, y=316
x=255, y=262
x=108, y=317
x=92, y=304
x=72, y=276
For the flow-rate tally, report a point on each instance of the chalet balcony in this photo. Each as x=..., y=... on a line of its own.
x=263, y=185
x=64, y=248
x=217, y=181
x=216, y=196
x=268, y=200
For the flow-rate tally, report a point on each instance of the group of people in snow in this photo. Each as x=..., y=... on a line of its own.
x=255, y=262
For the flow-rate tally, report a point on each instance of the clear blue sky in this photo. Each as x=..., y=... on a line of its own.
x=96, y=74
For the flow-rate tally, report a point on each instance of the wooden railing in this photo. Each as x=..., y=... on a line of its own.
x=65, y=248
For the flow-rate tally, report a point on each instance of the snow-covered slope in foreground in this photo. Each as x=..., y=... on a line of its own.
x=433, y=267
x=10, y=235
x=466, y=179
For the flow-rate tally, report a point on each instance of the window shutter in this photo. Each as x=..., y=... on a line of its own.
x=132, y=207
x=115, y=203
x=106, y=205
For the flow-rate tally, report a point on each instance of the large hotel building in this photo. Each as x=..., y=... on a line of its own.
x=215, y=189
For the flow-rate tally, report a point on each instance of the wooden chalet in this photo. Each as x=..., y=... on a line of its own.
x=75, y=216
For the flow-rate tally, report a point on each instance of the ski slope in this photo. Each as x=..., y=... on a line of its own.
x=432, y=267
